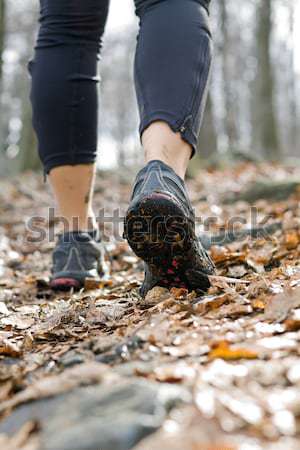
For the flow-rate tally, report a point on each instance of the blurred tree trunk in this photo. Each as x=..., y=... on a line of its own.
x=2, y=38
x=28, y=157
x=227, y=74
x=264, y=122
x=2, y=34
x=208, y=142
x=294, y=122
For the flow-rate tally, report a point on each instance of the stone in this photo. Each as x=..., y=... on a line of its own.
x=110, y=417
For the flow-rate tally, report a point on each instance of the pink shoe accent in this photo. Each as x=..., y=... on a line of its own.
x=65, y=283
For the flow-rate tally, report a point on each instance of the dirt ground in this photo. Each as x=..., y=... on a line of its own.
x=228, y=359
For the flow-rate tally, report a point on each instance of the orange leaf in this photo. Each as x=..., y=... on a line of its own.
x=292, y=240
x=258, y=305
x=224, y=351
x=179, y=292
x=219, y=254
x=292, y=325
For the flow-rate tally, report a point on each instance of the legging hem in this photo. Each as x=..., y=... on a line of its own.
x=58, y=162
x=177, y=126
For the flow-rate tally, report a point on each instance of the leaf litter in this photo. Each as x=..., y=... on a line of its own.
x=236, y=348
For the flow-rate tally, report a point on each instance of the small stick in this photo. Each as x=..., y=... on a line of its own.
x=227, y=279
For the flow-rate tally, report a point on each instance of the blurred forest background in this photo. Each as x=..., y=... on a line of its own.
x=253, y=108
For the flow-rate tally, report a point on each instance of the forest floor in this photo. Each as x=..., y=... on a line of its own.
x=103, y=369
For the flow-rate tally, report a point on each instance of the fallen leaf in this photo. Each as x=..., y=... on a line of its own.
x=278, y=307
x=291, y=240
x=3, y=309
x=28, y=342
x=91, y=283
x=209, y=304
x=220, y=254
x=262, y=255
x=17, y=321
x=224, y=351
x=292, y=325
x=175, y=373
x=156, y=295
x=258, y=305
x=179, y=293
x=8, y=348
x=237, y=271
x=257, y=267
x=233, y=310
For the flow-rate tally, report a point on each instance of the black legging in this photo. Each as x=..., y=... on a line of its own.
x=172, y=65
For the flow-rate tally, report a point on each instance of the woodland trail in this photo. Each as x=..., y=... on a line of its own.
x=103, y=369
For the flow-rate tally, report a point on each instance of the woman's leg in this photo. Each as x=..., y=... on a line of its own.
x=172, y=67
x=65, y=103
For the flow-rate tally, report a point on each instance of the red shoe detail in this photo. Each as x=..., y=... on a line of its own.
x=65, y=283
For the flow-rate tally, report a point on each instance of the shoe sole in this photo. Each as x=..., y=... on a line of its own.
x=158, y=232
x=65, y=284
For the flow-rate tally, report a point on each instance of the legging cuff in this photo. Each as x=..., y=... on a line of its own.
x=62, y=160
x=177, y=125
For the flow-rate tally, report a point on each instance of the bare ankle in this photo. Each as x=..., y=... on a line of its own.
x=161, y=143
x=73, y=189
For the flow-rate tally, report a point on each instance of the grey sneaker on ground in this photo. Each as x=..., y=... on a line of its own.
x=160, y=229
x=76, y=257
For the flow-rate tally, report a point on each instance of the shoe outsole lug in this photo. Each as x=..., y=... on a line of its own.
x=168, y=258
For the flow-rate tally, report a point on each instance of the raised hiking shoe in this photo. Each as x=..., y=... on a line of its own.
x=160, y=228
x=76, y=257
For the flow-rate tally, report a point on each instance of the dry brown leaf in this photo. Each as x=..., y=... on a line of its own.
x=191, y=348
x=179, y=293
x=224, y=351
x=233, y=311
x=257, y=287
x=209, y=304
x=258, y=268
x=263, y=254
x=59, y=316
x=220, y=254
x=175, y=373
x=292, y=325
x=8, y=348
x=292, y=240
x=91, y=283
x=17, y=321
x=3, y=309
x=28, y=342
x=156, y=295
x=95, y=316
x=278, y=307
x=238, y=271
x=258, y=305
